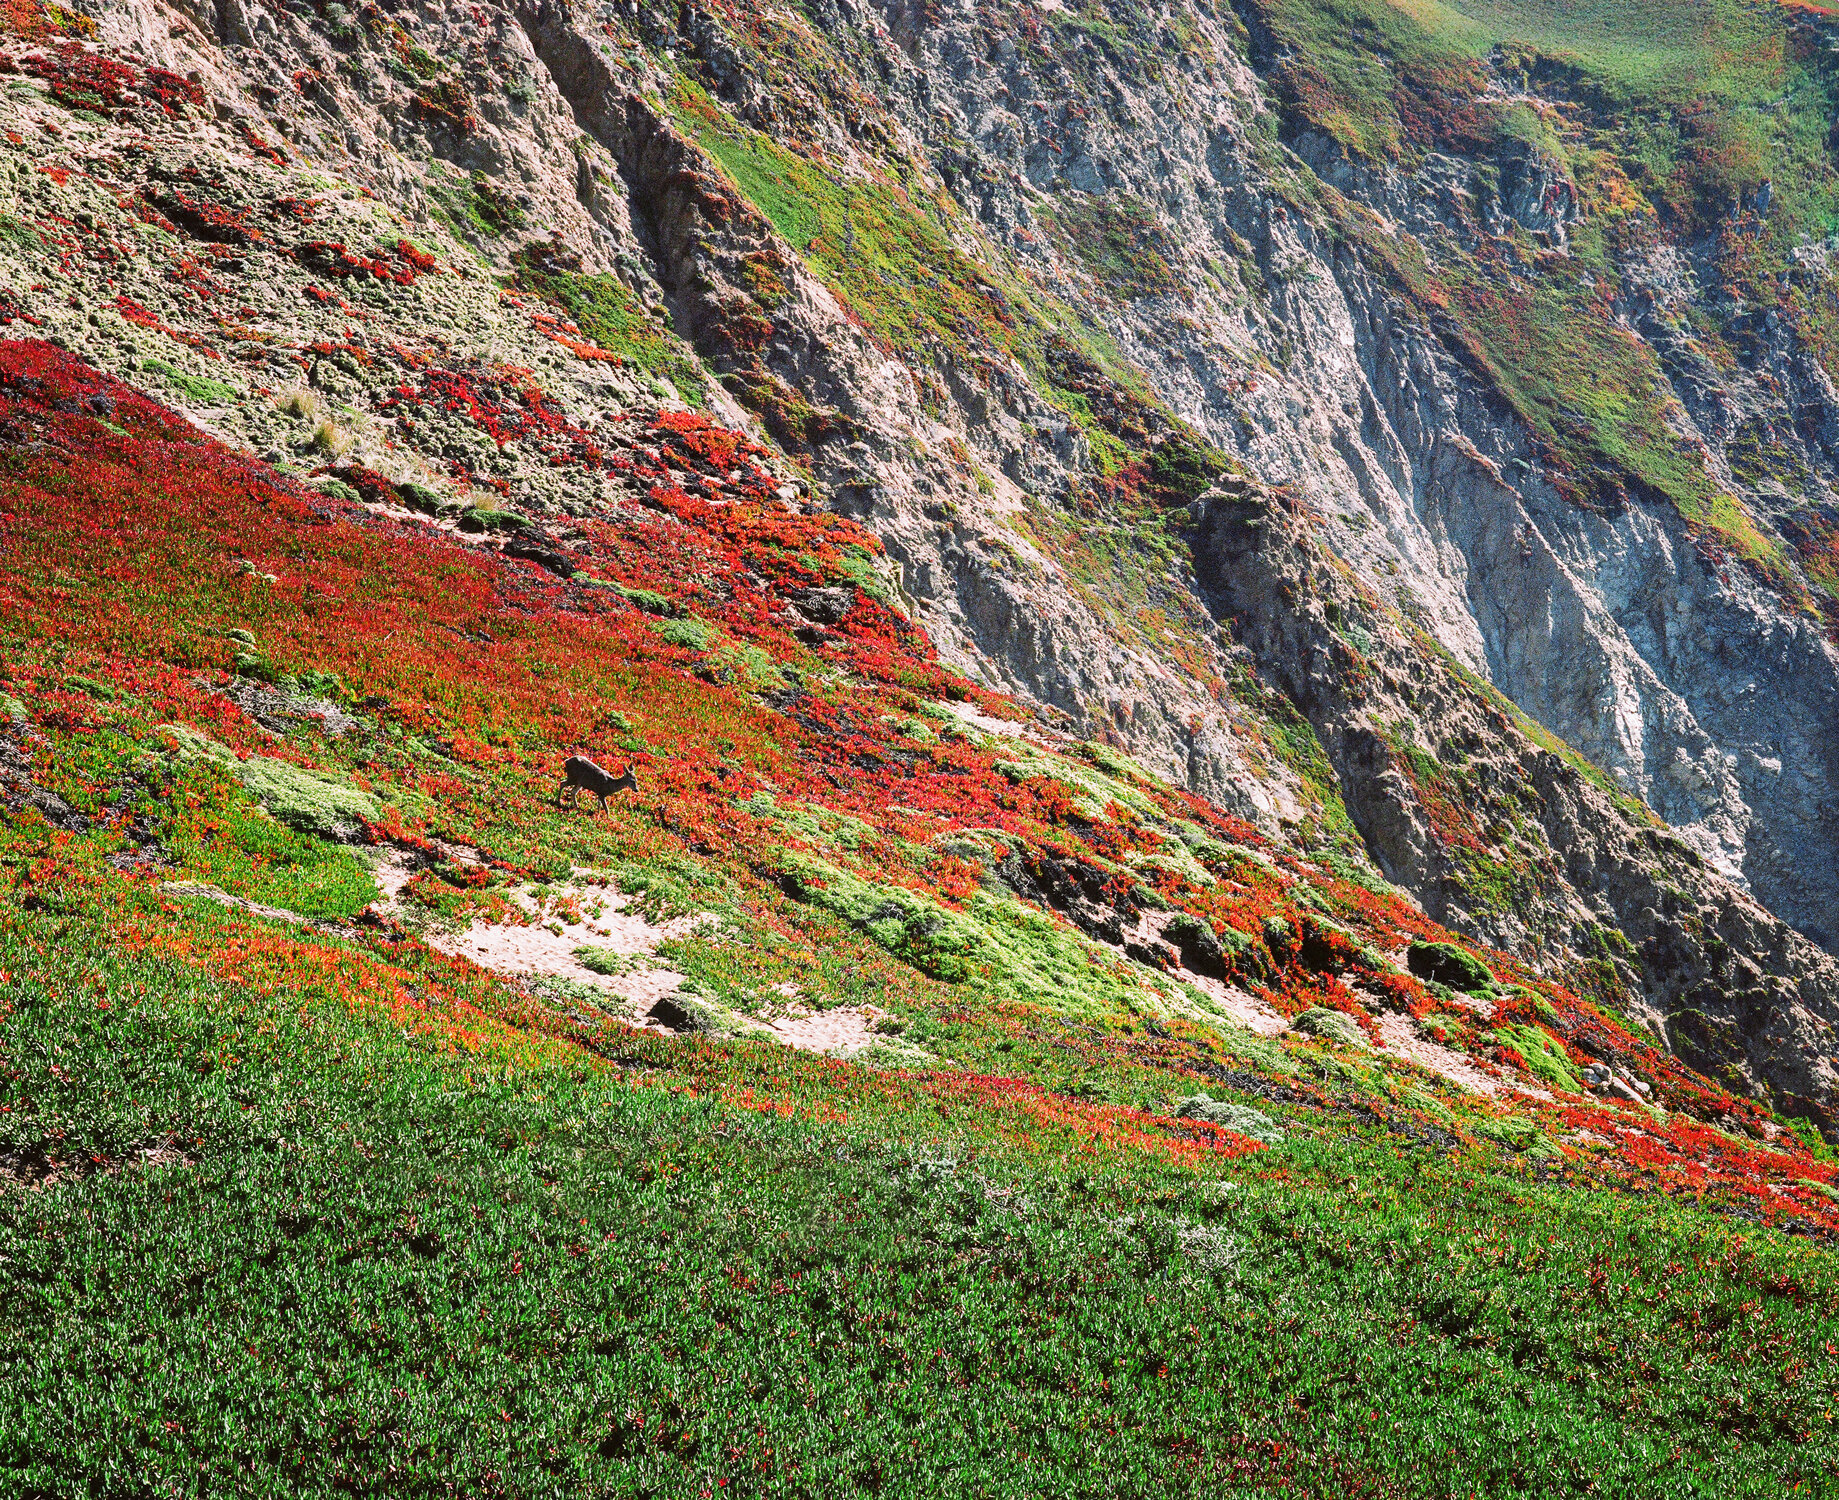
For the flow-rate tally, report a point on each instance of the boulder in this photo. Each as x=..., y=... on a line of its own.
x=1445, y=963
x=1331, y=1026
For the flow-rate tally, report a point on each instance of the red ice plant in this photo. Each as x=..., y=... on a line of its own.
x=125, y=536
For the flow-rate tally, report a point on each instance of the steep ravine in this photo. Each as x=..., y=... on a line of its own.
x=1438, y=776
x=879, y=460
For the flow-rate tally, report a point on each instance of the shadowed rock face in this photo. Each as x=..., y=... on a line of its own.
x=1594, y=859
x=1030, y=260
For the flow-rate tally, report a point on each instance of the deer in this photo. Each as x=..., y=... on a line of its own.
x=580, y=774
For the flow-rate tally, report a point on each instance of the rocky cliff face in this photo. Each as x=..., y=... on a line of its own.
x=1051, y=297
x=1457, y=793
x=1701, y=689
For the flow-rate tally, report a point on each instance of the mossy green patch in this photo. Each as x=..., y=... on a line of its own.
x=611, y=317
x=491, y=518
x=692, y=634
x=1331, y=1026
x=818, y=825
x=1448, y=964
x=1122, y=243
x=1242, y=1118
x=1546, y=1060
x=320, y=803
x=474, y=208
x=196, y=387
x=651, y=602
x=1520, y=1134
x=1008, y=950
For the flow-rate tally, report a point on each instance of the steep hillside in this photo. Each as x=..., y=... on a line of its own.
x=1221, y=623
x=313, y=992
x=1016, y=289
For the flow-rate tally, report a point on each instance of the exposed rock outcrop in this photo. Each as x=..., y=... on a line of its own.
x=1461, y=802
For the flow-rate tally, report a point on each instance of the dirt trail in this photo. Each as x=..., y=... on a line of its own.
x=1399, y=1034
x=547, y=944
x=842, y=1032
x=1249, y=1011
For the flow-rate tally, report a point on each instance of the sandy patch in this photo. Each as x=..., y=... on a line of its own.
x=537, y=951
x=394, y=871
x=1222, y=999
x=1022, y=729
x=1229, y=1000
x=842, y=1032
x=545, y=945
x=1399, y=1034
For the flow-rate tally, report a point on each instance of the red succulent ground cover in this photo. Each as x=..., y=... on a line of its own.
x=82, y=79
x=33, y=21
x=129, y=542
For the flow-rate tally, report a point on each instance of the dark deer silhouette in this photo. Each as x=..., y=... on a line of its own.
x=579, y=774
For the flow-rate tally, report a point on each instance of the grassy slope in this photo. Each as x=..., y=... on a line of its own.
x=318, y=1212
x=387, y=1266
x=1370, y=53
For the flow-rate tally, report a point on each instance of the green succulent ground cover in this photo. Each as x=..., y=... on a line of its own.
x=338, y=1218
x=240, y=848
x=329, y=1248
x=360, y=1264
x=325, y=1244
